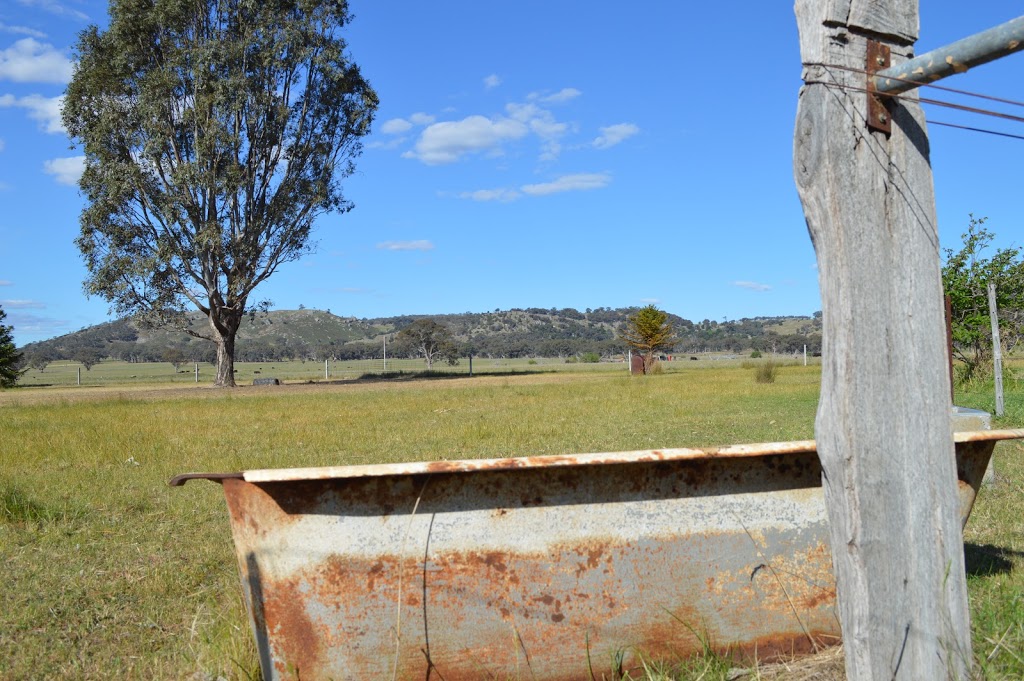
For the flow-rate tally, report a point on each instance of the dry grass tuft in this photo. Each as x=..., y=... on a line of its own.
x=827, y=665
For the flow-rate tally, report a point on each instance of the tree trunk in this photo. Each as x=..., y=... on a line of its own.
x=225, y=327
x=883, y=423
x=648, y=362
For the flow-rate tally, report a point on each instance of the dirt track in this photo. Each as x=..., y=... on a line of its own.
x=71, y=394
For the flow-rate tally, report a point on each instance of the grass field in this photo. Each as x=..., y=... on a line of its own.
x=64, y=373
x=109, y=573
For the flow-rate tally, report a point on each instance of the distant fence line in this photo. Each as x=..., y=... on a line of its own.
x=68, y=373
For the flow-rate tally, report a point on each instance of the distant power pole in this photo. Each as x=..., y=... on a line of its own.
x=997, y=349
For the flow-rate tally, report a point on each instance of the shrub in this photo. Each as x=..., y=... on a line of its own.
x=766, y=372
x=532, y=361
x=590, y=358
x=755, y=354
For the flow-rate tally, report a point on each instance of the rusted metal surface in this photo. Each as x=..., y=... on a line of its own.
x=877, y=58
x=540, y=567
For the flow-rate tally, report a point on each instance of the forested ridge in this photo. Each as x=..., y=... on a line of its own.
x=319, y=334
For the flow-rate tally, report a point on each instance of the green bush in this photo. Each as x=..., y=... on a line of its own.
x=755, y=354
x=590, y=358
x=766, y=372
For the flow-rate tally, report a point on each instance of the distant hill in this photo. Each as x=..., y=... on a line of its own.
x=530, y=332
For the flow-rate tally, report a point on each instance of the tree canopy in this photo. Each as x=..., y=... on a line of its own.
x=965, y=278
x=430, y=340
x=10, y=358
x=87, y=357
x=215, y=134
x=648, y=332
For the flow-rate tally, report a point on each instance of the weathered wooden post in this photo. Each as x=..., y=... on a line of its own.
x=883, y=424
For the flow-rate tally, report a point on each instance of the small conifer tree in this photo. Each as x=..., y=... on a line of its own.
x=648, y=332
x=10, y=358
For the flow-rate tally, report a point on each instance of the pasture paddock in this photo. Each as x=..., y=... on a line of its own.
x=66, y=373
x=111, y=574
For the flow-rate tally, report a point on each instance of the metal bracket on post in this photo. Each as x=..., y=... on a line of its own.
x=879, y=118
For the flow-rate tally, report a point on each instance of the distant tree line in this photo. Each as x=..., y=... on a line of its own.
x=313, y=335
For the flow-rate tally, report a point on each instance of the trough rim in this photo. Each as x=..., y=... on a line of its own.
x=549, y=461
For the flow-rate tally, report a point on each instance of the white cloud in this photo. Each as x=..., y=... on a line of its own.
x=421, y=118
x=541, y=121
x=569, y=183
x=29, y=324
x=6, y=282
x=550, y=151
x=503, y=195
x=395, y=126
x=649, y=301
x=30, y=61
x=419, y=245
x=613, y=134
x=56, y=8
x=46, y=110
x=392, y=143
x=543, y=124
x=65, y=170
x=560, y=97
x=23, y=30
x=752, y=285
x=546, y=127
x=23, y=304
x=492, y=81
x=448, y=141
x=3, y=144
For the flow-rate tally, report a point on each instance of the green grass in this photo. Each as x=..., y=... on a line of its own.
x=107, y=373
x=995, y=539
x=109, y=573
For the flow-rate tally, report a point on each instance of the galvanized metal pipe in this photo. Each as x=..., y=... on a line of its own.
x=955, y=58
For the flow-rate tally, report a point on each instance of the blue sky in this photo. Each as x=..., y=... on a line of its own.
x=527, y=154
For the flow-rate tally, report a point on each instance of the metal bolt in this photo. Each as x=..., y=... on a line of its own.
x=882, y=117
x=880, y=60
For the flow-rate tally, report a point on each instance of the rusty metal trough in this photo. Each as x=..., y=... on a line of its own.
x=555, y=567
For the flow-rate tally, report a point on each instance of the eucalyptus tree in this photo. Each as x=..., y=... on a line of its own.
x=431, y=340
x=215, y=133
